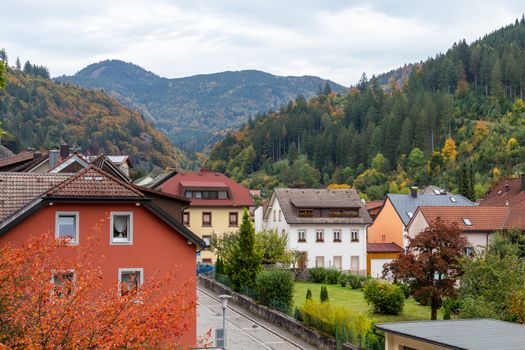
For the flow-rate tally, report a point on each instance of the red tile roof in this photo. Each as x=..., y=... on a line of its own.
x=482, y=218
x=383, y=248
x=94, y=183
x=239, y=195
x=507, y=192
x=17, y=190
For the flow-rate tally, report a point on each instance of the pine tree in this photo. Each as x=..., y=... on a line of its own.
x=17, y=64
x=246, y=259
x=308, y=294
x=3, y=55
x=324, y=294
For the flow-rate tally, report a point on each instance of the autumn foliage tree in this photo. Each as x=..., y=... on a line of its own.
x=51, y=302
x=431, y=264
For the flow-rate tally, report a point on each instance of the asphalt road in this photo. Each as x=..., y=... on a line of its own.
x=244, y=330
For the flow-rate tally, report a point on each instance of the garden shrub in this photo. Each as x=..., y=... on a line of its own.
x=308, y=294
x=405, y=288
x=324, y=294
x=297, y=314
x=317, y=274
x=385, y=298
x=332, y=276
x=356, y=282
x=343, y=280
x=275, y=287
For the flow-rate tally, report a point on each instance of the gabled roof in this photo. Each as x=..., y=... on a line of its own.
x=405, y=203
x=120, y=159
x=103, y=162
x=17, y=190
x=507, y=192
x=157, y=181
x=383, y=248
x=318, y=198
x=482, y=219
x=239, y=196
x=72, y=164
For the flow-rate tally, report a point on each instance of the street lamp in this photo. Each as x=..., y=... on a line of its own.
x=224, y=303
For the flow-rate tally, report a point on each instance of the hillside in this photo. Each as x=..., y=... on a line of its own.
x=195, y=111
x=37, y=112
x=457, y=121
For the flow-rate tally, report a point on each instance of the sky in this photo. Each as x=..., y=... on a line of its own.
x=336, y=40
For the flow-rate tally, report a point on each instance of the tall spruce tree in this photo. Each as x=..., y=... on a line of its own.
x=246, y=259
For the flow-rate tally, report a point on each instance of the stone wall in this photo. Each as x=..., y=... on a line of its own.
x=277, y=318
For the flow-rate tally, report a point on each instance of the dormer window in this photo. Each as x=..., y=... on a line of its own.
x=467, y=222
x=306, y=213
x=343, y=213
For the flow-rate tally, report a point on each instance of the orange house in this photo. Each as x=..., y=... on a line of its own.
x=139, y=231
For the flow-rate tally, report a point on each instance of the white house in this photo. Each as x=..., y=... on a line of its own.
x=327, y=226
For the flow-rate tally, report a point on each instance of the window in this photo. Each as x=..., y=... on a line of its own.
x=338, y=262
x=319, y=261
x=467, y=222
x=234, y=217
x=383, y=237
x=197, y=194
x=354, y=263
x=206, y=219
x=207, y=260
x=67, y=226
x=337, y=235
x=452, y=199
x=188, y=194
x=186, y=218
x=306, y=213
x=469, y=251
x=319, y=236
x=274, y=215
x=121, y=228
x=301, y=236
x=354, y=236
x=410, y=214
x=130, y=279
x=343, y=213
x=63, y=283
x=280, y=214
x=223, y=195
x=207, y=240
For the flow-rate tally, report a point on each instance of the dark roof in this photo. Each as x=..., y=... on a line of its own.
x=483, y=219
x=478, y=334
x=383, y=248
x=104, y=163
x=239, y=196
x=5, y=152
x=17, y=190
x=405, y=203
x=320, y=198
x=507, y=192
x=160, y=179
x=19, y=160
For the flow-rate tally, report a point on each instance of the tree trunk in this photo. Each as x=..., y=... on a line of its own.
x=433, y=313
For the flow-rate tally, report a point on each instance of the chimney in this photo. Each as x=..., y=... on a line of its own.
x=523, y=182
x=64, y=150
x=413, y=192
x=37, y=155
x=53, y=157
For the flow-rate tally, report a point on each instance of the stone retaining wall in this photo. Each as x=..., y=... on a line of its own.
x=277, y=318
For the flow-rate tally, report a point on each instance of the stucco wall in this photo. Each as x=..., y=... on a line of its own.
x=397, y=342
x=387, y=223
x=156, y=247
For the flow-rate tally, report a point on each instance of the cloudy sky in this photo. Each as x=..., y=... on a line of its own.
x=337, y=40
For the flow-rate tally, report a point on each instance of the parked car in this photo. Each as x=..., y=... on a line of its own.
x=203, y=268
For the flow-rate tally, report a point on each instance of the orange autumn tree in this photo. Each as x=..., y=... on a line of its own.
x=47, y=301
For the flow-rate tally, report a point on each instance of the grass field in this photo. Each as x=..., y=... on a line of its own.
x=353, y=298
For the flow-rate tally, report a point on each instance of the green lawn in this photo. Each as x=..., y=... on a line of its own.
x=353, y=298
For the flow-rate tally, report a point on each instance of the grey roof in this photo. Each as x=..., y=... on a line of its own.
x=479, y=334
x=320, y=198
x=405, y=203
x=437, y=191
x=5, y=152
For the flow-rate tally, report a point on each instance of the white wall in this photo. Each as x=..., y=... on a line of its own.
x=376, y=267
x=258, y=217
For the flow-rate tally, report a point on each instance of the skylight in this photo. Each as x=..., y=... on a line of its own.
x=467, y=222
x=453, y=200
x=409, y=213
x=436, y=191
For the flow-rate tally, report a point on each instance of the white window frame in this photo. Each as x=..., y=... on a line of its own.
x=129, y=269
x=77, y=225
x=356, y=234
x=130, y=228
x=299, y=240
x=339, y=233
x=321, y=240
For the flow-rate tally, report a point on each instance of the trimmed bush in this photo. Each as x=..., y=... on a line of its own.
x=343, y=280
x=324, y=294
x=317, y=274
x=275, y=287
x=385, y=298
x=308, y=294
x=405, y=288
x=332, y=276
x=356, y=282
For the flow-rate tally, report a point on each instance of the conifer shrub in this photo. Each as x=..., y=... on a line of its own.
x=332, y=276
x=275, y=287
x=324, y=294
x=317, y=274
x=385, y=298
x=308, y=294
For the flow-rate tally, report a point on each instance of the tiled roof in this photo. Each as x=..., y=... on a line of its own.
x=383, y=248
x=239, y=195
x=94, y=183
x=405, y=203
x=17, y=190
x=328, y=199
x=507, y=192
x=481, y=218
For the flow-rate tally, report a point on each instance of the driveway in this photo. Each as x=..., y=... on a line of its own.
x=243, y=330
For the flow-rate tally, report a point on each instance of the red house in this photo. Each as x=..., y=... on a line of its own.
x=139, y=231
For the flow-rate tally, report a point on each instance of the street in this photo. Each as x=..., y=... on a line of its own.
x=243, y=330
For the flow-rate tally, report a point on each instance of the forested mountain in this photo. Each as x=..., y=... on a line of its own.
x=37, y=112
x=195, y=111
x=458, y=121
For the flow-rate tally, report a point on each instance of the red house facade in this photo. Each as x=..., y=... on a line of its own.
x=137, y=233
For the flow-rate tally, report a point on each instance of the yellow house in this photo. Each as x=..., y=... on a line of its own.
x=217, y=203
